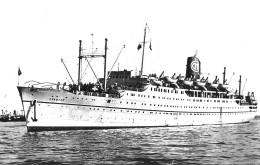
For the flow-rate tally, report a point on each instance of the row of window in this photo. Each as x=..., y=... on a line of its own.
x=166, y=90
x=164, y=113
x=191, y=93
x=176, y=106
x=169, y=98
x=115, y=77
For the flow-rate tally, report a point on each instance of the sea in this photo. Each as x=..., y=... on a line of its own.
x=212, y=144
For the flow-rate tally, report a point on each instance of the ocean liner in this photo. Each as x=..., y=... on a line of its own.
x=120, y=100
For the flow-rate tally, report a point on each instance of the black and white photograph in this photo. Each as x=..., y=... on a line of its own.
x=129, y=82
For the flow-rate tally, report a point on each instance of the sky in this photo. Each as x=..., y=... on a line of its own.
x=36, y=34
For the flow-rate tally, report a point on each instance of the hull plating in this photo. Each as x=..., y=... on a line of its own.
x=61, y=110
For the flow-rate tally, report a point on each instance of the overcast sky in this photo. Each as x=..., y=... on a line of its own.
x=35, y=35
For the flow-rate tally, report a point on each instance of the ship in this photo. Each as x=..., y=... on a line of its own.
x=120, y=100
x=15, y=117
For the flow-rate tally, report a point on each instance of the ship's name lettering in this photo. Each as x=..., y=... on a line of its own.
x=56, y=99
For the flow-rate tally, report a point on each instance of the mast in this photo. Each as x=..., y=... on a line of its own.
x=93, y=56
x=224, y=76
x=79, y=64
x=143, y=51
x=239, y=91
x=105, y=66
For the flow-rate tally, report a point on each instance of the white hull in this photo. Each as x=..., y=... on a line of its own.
x=58, y=110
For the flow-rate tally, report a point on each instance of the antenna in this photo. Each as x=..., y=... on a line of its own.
x=92, y=34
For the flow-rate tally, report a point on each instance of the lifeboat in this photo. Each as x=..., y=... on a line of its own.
x=156, y=82
x=169, y=80
x=181, y=78
x=212, y=85
x=223, y=86
x=200, y=84
x=188, y=82
x=145, y=82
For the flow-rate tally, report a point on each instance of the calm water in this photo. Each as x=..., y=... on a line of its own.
x=229, y=144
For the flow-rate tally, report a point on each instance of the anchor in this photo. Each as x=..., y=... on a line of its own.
x=32, y=104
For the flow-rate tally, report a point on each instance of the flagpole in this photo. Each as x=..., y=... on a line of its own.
x=19, y=73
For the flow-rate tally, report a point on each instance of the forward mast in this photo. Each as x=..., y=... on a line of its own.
x=92, y=56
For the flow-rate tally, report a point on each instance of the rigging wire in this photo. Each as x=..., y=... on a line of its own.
x=244, y=86
x=92, y=52
x=92, y=70
x=67, y=70
x=231, y=77
x=85, y=70
x=116, y=60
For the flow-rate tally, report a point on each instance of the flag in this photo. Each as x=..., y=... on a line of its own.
x=139, y=46
x=150, y=45
x=19, y=71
